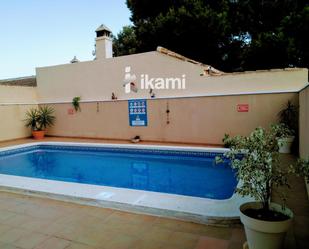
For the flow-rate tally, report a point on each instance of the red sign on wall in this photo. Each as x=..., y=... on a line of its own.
x=243, y=107
x=70, y=111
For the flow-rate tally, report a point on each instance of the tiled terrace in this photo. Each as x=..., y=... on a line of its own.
x=31, y=222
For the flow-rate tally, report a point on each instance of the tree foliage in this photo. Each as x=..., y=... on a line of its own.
x=126, y=42
x=232, y=35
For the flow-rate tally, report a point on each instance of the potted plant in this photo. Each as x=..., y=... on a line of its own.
x=285, y=137
x=256, y=161
x=289, y=117
x=75, y=103
x=38, y=119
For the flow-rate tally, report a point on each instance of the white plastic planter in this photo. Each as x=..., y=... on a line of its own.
x=285, y=144
x=265, y=234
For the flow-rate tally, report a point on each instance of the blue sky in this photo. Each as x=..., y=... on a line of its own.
x=36, y=33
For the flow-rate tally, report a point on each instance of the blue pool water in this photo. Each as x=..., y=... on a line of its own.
x=175, y=172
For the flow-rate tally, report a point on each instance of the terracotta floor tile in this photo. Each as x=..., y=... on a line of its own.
x=4, y=228
x=50, y=228
x=53, y=243
x=79, y=246
x=30, y=241
x=99, y=212
x=216, y=232
x=19, y=208
x=70, y=219
x=235, y=245
x=190, y=227
x=96, y=238
x=17, y=220
x=4, y=215
x=71, y=232
x=147, y=244
x=131, y=229
x=12, y=207
x=238, y=234
x=120, y=242
x=45, y=213
x=133, y=218
x=183, y=240
x=301, y=228
x=7, y=246
x=211, y=243
x=89, y=220
x=12, y=235
x=35, y=224
x=157, y=233
x=168, y=223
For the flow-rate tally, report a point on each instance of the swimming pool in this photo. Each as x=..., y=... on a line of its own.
x=179, y=182
x=181, y=172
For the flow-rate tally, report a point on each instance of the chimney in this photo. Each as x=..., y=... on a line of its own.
x=103, y=43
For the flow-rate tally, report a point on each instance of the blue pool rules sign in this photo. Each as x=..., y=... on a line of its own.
x=138, y=112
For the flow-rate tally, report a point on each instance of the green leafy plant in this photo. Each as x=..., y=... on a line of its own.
x=76, y=104
x=227, y=141
x=32, y=119
x=45, y=117
x=257, y=163
x=282, y=130
x=39, y=119
x=289, y=116
x=302, y=168
x=255, y=159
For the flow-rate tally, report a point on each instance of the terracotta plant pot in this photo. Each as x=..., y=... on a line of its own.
x=38, y=134
x=265, y=234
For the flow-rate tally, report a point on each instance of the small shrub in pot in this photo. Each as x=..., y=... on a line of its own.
x=256, y=161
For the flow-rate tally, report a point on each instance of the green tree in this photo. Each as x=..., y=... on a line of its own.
x=125, y=42
x=232, y=35
x=197, y=29
x=277, y=31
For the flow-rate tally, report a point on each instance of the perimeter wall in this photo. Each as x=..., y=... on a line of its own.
x=14, y=102
x=304, y=125
x=304, y=122
x=192, y=120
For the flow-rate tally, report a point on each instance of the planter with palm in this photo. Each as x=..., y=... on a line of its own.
x=38, y=119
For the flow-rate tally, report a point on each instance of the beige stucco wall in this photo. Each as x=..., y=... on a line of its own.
x=192, y=120
x=12, y=125
x=304, y=122
x=18, y=94
x=304, y=125
x=96, y=80
x=14, y=102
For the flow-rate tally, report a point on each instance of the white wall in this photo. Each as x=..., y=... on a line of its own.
x=18, y=94
x=14, y=102
x=96, y=80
